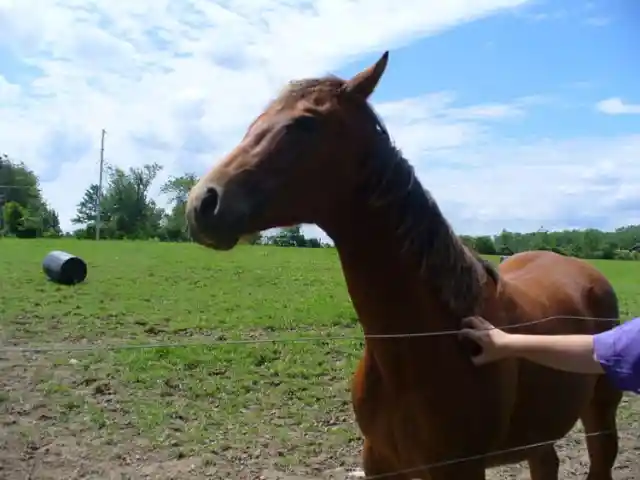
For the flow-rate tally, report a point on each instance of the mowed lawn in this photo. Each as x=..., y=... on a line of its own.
x=283, y=404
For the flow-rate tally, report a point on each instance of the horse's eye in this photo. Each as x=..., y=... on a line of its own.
x=305, y=124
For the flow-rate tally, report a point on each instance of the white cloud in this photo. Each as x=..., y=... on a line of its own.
x=9, y=92
x=178, y=82
x=579, y=183
x=430, y=122
x=598, y=21
x=485, y=182
x=615, y=106
x=593, y=16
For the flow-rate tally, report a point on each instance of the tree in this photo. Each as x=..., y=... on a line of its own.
x=292, y=237
x=14, y=217
x=485, y=245
x=178, y=188
x=26, y=214
x=87, y=212
x=50, y=222
x=19, y=184
x=129, y=212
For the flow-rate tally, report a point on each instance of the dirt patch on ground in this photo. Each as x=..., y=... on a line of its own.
x=38, y=443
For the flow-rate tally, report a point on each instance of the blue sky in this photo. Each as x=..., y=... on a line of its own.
x=515, y=113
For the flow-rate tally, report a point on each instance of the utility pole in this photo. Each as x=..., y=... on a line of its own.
x=99, y=206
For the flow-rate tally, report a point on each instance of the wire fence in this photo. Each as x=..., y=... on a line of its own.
x=455, y=461
x=249, y=341
x=51, y=348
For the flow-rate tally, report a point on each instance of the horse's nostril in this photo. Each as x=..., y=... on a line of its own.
x=209, y=202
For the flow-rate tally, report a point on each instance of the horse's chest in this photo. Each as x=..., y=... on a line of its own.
x=446, y=411
x=386, y=411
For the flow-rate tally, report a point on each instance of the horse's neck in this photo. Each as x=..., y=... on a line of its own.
x=388, y=290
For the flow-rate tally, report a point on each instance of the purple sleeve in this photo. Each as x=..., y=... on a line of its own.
x=618, y=351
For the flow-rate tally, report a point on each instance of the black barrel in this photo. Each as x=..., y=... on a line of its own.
x=62, y=267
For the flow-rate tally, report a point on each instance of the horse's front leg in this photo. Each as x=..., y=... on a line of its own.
x=376, y=465
x=544, y=464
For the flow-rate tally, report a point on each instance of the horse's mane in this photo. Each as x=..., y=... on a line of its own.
x=456, y=272
x=305, y=88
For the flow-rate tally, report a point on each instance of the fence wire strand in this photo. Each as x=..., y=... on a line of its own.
x=248, y=341
x=51, y=348
x=447, y=463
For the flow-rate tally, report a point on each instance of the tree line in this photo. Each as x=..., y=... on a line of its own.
x=621, y=244
x=128, y=211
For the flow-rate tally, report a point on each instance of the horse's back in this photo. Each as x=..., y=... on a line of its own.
x=541, y=284
x=541, y=266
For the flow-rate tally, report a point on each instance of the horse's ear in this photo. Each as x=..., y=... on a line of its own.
x=365, y=82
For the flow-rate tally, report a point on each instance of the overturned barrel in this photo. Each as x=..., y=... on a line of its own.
x=62, y=267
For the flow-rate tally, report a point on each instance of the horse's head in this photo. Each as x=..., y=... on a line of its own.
x=297, y=162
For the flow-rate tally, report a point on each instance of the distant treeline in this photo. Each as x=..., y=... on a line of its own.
x=622, y=243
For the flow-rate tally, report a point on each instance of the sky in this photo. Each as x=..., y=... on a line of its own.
x=516, y=114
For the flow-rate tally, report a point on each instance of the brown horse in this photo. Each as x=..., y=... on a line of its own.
x=319, y=154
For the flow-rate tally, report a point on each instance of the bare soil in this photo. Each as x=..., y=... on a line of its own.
x=35, y=444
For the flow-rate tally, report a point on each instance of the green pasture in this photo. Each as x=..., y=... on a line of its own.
x=284, y=403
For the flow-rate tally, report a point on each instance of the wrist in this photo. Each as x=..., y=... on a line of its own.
x=512, y=344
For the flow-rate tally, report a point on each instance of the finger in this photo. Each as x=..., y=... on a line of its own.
x=470, y=322
x=470, y=333
x=470, y=344
x=479, y=323
x=476, y=353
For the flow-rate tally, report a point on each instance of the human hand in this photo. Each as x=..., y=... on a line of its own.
x=491, y=340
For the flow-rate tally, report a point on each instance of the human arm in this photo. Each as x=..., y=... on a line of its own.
x=572, y=353
x=615, y=352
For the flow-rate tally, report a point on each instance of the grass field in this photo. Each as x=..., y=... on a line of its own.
x=231, y=410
